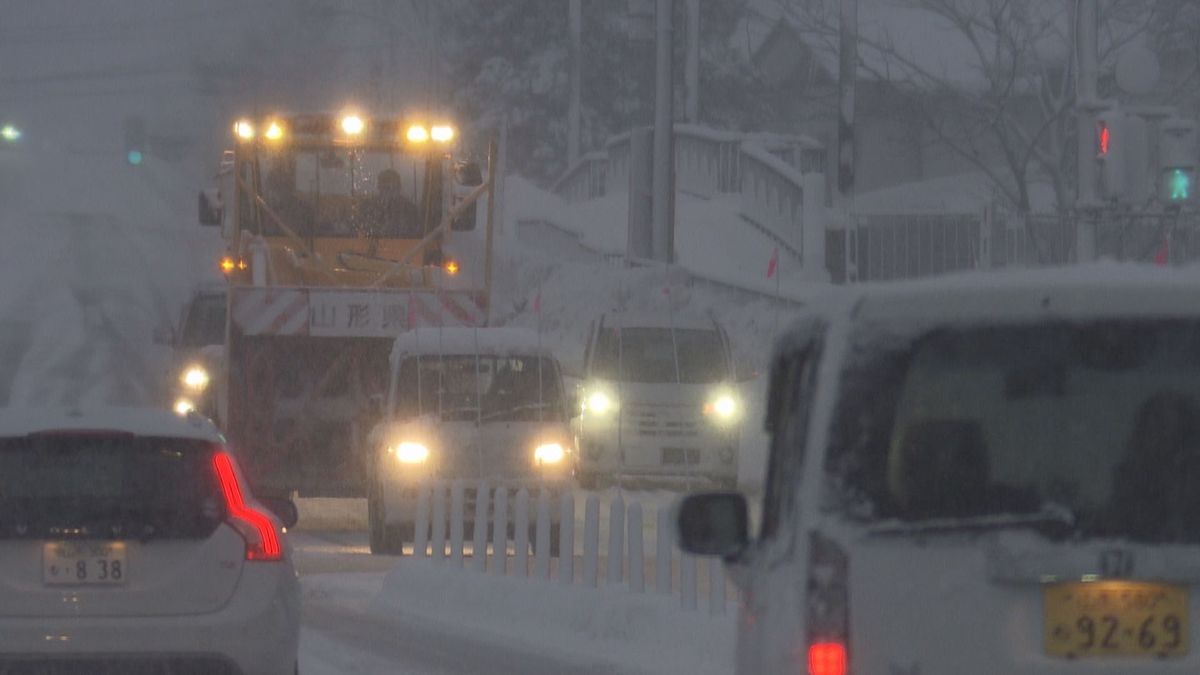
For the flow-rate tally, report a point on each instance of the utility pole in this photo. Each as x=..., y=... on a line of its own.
x=575, y=21
x=847, y=77
x=691, y=70
x=663, y=234
x=1087, y=25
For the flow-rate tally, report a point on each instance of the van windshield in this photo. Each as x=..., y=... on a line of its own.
x=651, y=355
x=489, y=388
x=1100, y=420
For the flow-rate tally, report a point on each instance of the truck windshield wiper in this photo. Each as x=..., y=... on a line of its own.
x=1051, y=514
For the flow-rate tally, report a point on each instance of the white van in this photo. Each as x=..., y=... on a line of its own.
x=987, y=474
x=468, y=404
x=659, y=399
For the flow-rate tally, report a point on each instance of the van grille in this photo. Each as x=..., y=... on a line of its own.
x=660, y=421
x=118, y=665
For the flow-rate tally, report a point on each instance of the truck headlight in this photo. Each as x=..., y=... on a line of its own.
x=549, y=453
x=409, y=452
x=195, y=378
x=183, y=407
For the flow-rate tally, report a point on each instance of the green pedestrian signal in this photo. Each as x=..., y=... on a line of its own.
x=1180, y=184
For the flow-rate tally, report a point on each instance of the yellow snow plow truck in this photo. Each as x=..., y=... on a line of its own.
x=342, y=232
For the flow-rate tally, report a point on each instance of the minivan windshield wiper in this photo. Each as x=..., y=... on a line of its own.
x=1051, y=515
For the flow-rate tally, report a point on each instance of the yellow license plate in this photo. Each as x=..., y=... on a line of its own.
x=84, y=563
x=1115, y=618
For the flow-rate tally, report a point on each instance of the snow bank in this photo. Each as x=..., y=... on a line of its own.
x=647, y=633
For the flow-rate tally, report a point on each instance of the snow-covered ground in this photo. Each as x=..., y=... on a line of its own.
x=520, y=625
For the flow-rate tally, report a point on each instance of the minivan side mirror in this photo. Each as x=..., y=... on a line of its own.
x=714, y=524
x=211, y=211
x=283, y=508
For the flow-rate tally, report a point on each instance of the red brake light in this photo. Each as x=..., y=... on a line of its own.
x=827, y=658
x=256, y=527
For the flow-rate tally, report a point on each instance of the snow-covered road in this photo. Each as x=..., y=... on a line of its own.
x=345, y=633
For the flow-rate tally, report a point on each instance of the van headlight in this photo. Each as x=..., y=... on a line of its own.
x=599, y=403
x=723, y=408
x=549, y=453
x=409, y=452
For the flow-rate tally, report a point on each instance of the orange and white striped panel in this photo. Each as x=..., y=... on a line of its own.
x=271, y=311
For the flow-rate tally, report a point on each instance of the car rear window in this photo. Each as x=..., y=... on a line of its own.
x=1101, y=419
x=104, y=486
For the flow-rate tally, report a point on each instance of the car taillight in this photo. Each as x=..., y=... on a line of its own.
x=827, y=608
x=255, y=526
x=827, y=658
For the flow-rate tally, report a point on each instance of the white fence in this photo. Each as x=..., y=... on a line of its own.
x=519, y=533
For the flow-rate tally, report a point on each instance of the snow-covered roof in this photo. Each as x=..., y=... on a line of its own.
x=1106, y=289
x=16, y=422
x=499, y=341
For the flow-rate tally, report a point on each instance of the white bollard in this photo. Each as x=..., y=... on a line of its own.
x=421, y=524
x=438, y=540
x=566, y=540
x=591, y=541
x=541, y=549
x=457, y=513
x=479, y=538
x=662, y=555
x=637, y=560
x=687, y=582
x=500, y=532
x=521, y=534
x=616, y=539
x=716, y=587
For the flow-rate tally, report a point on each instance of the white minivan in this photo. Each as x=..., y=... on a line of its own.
x=987, y=474
x=659, y=400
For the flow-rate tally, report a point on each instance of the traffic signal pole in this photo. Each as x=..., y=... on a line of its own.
x=1086, y=103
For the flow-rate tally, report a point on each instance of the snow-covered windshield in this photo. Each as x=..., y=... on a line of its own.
x=487, y=388
x=107, y=487
x=345, y=192
x=660, y=355
x=1099, y=419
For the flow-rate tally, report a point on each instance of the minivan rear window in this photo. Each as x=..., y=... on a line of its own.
x=1100, y=420
x=107, y=486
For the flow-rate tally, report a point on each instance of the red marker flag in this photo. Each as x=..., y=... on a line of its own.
x=1162, y=257
x=773, y=263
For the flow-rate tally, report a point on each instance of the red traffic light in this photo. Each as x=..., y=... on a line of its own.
x=1102, y=139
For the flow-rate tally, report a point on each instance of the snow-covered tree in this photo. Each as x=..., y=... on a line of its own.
x=513, y=61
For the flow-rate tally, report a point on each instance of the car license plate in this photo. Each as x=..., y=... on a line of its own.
x=84, y=563
x=1115, y=618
